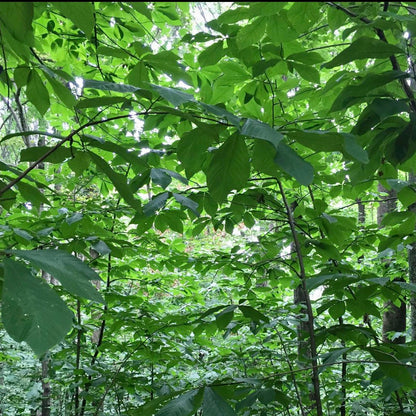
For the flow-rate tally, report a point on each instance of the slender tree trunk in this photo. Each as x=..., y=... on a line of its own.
x=412, y=271
x=394, y=317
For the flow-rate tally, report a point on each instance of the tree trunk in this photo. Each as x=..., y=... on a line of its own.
x=412, y=270
x=394, y=317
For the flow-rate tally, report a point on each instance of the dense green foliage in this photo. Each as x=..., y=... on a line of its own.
x=170, y=184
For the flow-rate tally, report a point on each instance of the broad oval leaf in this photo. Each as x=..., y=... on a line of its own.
x=31, y=311
x=74, y=274
x=214, y=405
x=363, y=48
x=229, y=168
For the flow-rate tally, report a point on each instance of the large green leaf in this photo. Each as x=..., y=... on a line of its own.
x=353, y=94
x=74, y=274
x=212, y=54
x=17, y=17
x=117, y=179
x=80, y=13
x=363, y=48
x=185, y=405
x=260, y=130
x=377, y=111
x=187, y=202
x=229, y=168
x=214, y=405
x=31, y=310
x=192, y=148
x=174, y=96
x=290, y=162
x=156, y=203
x=37, y=92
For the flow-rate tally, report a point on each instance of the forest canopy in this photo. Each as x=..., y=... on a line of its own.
x=207, y=208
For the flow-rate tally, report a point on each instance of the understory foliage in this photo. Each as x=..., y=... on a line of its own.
x=188, y=205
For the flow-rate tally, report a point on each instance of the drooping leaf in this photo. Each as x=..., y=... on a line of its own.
x=229, y=168
x=260, y=130
x=187, y=202
x=80, y=13
x=174, y=96
x=32, y=154
x=99, y=101
x=353, y=94
x=156, y=203
x=184, y=405
x=192, y=148
x=364, y=48
x=31, y=311
x=212, y=54
x=73, y=273
x=37, y=93
x=17, y=17
x=117, y=179
x=290, y=162
x=214, y=405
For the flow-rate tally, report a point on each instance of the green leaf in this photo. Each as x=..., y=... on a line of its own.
x=253, y=314
x=156, y=203
x=212, y=54
x=63, y=93
x=73, y=274
x=109, y=86
x=192, y=148
x=99, y=101
x=80, y=13
x=32, y=154
x=290, y=162
x=187, y=202
x=37, y=93
x=307, y=72
x=117, y=179
x=138, y=76
x=364, y=48
x=214, y=405
x=31, y=310
x=337, y=310
x=32, y=194
x=251, y=33
x=354, y=149
x=184, y=405
x=353, y=94
x=377, y=111
x=223, y=318
x=392, y=367
x=229, y=168
x=174, y=96
x=160, y=177
x=17, y=17
x=260, y=130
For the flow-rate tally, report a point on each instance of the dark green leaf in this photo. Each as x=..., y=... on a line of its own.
x=80, y=13
x=31, y=310
x=290, y=162
x=117, y=179
x=214, y=405
x=185, y=405
x=212, y=54
x=364, y=48
x=260, y=130
x=187, y=202
x=37, y=93
x=74, y=274
x=229, y=168
x=156, y=203
x=99, y=101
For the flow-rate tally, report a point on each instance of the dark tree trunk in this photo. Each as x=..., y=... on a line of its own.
x=394, y=317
